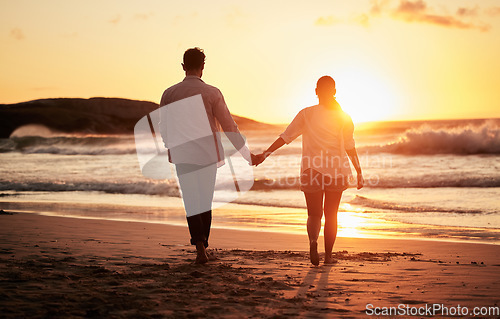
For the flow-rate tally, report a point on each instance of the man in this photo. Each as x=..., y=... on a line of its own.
x=191, y=115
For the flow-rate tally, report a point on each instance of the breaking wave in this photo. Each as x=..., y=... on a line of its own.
x=427, y=181
x=428, y=139
x=378, y=204
x=484, y=139
x=146, y=187
x=69, y=145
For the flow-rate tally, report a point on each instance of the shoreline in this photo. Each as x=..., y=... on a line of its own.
x=222, y=237
x=125, y=212
x=184, y=224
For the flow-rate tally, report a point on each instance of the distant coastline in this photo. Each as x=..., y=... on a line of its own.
x=97, y=115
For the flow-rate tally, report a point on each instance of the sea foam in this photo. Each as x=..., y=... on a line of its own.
x=483, y=139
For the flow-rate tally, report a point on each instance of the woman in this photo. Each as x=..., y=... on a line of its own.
x=327, y=135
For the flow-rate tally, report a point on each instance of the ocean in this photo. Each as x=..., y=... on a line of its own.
x=430, y=180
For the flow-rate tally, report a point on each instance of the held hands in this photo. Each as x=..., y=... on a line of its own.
x=257, y=159
x=253, y=159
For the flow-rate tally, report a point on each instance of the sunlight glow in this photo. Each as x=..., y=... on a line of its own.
x=349, y=225
x=365, y=96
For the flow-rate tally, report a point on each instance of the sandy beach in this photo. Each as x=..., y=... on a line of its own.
x=65, y=267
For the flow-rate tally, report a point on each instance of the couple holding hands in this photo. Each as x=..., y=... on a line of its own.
x=327, y=146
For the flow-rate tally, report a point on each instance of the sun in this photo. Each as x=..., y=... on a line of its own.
x=363, y=93
x=365, y=96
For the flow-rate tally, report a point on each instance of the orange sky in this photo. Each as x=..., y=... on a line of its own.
x=394, y=59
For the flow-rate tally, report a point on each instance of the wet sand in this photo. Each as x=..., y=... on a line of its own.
x=66, y=267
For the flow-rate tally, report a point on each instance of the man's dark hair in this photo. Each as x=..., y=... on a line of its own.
x=326, y=82
x=193, y=59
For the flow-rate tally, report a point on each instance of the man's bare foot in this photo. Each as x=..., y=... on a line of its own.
x=201, y=256
x=313, y=252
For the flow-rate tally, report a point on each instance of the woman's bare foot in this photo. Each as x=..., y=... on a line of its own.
x=211, y=255
x=201, y=256
x=313, y=252
x=329, y=259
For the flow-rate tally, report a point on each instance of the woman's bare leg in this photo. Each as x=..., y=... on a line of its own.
x=314, y=203
x=332, y=201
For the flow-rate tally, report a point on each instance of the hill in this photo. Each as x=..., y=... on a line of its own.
x=96, y=115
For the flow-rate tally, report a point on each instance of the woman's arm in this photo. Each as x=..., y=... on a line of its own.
x=293, y=131
x=353, y=155
x=277, y=144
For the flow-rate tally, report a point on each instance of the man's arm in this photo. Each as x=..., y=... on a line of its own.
x=226, y=121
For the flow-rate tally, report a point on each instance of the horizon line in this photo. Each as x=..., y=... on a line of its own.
x=420, y=119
